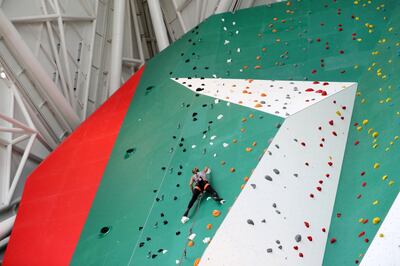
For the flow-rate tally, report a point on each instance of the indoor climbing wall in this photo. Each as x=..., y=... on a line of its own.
x=170, y=127
x=283, y=216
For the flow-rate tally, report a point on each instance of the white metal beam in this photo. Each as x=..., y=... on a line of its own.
x=25, y=57
x=158, y=24
x=117, y=44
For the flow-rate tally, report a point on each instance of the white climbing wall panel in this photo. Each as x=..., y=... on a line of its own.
x=277, y=97
x=385, y=248
x=292, y=190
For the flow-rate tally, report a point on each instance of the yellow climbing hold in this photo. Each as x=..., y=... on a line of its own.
x=375, y=134
x=376, y=165
x=376, y=220
x=359, y=128
x=381, y=235
x=365, y=121
x=251, y=115
x=384, y=177
x=376, y=202
x=216, y=213
x=391, y=182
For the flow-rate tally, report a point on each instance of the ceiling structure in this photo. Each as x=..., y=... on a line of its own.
x=60, y=60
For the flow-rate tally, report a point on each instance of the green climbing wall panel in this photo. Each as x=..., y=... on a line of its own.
x=296, y=40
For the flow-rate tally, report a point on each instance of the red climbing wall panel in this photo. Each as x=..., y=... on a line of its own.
x=58, y=195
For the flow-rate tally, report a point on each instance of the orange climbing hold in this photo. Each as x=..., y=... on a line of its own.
x=216, y=213
x=232, y=170
x=246, y=178
x=196, y=262
x=190, y=243
x=258, y=105
x=209, y=226
x=248, y=149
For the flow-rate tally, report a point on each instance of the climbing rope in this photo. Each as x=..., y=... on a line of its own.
x=183, y=256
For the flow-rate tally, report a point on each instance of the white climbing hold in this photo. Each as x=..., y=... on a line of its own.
x=184, y=219
x=204, y=136
x=225, y=144
x=164, y=251
x=220, y=117
x=193, y=146
x=206, y=240
x=215, y=155
x=192, y=236
x=238, y=50
x=211, y=143
x=226, y=42
x=213, y=137
x=229, y=60
x=228, y=104
x=177, y=262
x=216, y=101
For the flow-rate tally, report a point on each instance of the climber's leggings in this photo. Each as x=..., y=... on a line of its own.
x=196, y=194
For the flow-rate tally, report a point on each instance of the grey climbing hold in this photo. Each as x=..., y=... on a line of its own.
x=274, y=205
x=269, y=250
x=268, y=178
x=263, y=221
x=277, y=146
x=280, y=246
x=250, y=221
x=278, y=212
x=276, y=171
x=296, y=175
x=297, y=238
x=278, y=242
x=253, y=186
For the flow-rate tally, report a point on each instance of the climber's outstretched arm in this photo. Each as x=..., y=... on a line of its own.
x=191, y=183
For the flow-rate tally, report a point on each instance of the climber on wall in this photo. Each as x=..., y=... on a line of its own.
x=201, y=185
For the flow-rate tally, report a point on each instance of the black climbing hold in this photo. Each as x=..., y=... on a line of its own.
x=250, y=221
x=165, y=222
x=141, y=244
x=104, y=230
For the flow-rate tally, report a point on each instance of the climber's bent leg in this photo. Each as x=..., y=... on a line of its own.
x=213, y=193
x=195, y=195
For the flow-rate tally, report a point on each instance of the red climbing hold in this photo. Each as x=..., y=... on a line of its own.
x=296, y=248
x=309, y=238
x=307, y=224
x=331, y=122
x=356, y=142
x=301, y=255
x=333, y=240
x=323, y=229
x=330, y=163
x=361, y=234
x=309, y=90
